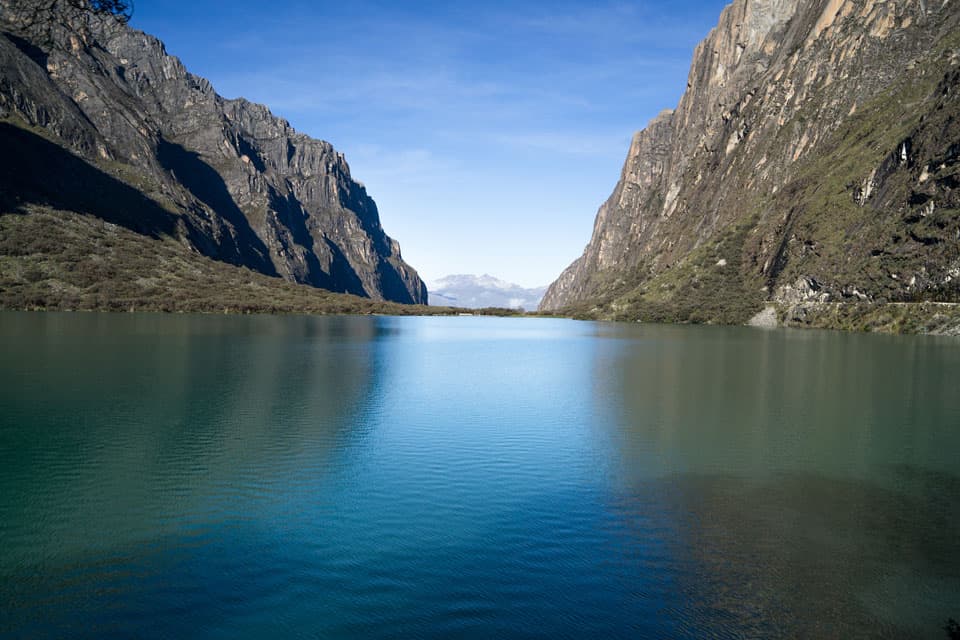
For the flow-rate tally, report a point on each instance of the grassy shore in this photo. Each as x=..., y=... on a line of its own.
x=59, y=260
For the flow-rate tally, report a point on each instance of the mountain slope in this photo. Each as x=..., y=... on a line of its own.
x=813, y=159
x=62, y=260
x=478, y=292
x=86, y=99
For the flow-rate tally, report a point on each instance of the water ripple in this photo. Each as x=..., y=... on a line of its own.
x=471, y=477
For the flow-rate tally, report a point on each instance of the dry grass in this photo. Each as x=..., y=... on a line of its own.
x=59, y=260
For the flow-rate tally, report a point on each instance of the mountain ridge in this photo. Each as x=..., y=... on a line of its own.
x=798, y=168
x=237, y=183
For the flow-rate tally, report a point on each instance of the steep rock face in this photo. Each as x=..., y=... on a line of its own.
x=810, y=138
x=241, y=185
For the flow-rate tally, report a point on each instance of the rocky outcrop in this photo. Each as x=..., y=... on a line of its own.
x=227, y=177
x=813, y=156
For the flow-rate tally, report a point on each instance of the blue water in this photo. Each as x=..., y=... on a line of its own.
x=247, y=477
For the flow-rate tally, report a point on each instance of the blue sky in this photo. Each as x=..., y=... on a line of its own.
x=488, y=132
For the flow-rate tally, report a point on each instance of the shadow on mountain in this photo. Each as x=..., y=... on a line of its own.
x=357, y=200
x=343, y=277
x=208, y=187
x=291, y=215
x=392, y=284
x=36, y=171
x=29, y=49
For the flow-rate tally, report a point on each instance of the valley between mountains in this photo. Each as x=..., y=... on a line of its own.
x=809, y=176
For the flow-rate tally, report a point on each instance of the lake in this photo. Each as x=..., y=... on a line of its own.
x=167, y=476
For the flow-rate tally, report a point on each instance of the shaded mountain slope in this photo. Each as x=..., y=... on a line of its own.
x=63, y=260
x=99, y=119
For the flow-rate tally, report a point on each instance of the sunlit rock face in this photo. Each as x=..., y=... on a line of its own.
x=817, y=141
x=246, y=188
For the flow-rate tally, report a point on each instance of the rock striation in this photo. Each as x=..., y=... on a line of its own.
x=812, y=158
x=226, y=177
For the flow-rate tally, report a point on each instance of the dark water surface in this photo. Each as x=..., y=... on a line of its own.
x=229, y=477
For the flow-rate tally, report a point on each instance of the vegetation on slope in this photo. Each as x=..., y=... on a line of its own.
x=77, y=234
x=941, y=318
x=707, y=287
x=53, y=259
x=908, y=227
x=871, y=253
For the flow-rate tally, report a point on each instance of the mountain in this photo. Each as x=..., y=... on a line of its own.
x=96, y=119
x=812, y=167
x=477, y=292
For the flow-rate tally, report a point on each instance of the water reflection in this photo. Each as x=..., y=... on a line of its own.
x=135, y=421
x=751, y=401
x=809, y=477
x=168, y=476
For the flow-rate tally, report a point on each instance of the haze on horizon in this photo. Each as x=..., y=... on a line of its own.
x=488, y=135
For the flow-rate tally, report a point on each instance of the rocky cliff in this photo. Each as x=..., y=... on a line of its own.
x=812, y=158
x=97, y=118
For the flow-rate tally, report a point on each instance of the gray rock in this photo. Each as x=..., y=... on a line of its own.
x=243, y=185
x=766, y=319
x=802, y=147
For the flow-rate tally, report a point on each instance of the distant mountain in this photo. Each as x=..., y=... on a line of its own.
x=475, y=292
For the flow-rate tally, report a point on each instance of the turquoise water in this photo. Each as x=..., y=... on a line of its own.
x=225, y=477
